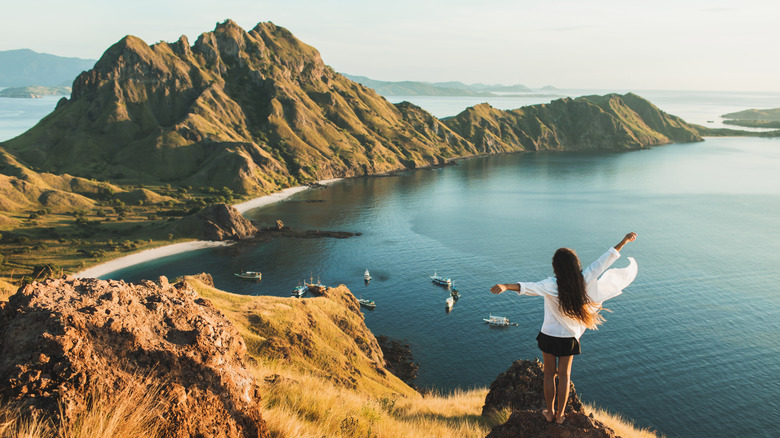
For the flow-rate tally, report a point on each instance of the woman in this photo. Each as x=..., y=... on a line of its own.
x=572, y=301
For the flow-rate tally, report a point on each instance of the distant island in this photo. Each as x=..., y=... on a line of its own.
x=452, y=88
x=24, y=67
x=754, y=118
x=34, y=92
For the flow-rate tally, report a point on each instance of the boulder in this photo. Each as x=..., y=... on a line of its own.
x=521, y=388
x=65, y=338
x=216, y=222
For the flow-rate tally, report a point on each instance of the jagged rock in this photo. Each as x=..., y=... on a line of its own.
x=530, y=424
x=216, y=222
x=66, y=337
x=521, y=388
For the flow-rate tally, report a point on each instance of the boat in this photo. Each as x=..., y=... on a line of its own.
x=498, y=321
x=367, y=303
x=449, y=303
x=454, y=294
x=250, y=275
x=443, y=281
x=367, y=276
x=315, y=288
x=299, y=291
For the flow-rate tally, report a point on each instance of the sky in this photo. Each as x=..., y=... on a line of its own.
x=594, y=44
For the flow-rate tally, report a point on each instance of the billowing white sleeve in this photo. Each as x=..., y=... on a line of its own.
x=612, y=283
x=596, y=268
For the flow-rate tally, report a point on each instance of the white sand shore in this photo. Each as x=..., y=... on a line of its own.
x=178, y=248
x=276, y=197
x=145, y=256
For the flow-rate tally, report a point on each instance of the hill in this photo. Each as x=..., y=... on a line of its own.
x=258, y=111
x=453, y=88
x=159, y=359
x=34, y=92
x=24, y=67
x=586, y=123
x=754, y=118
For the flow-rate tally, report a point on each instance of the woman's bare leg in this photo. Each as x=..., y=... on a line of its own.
x=550, y=370
x=564, y=379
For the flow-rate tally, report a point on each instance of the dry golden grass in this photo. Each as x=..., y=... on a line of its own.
x=6, y=290
x=299, y=405
x=622, y=426
x=133, y=412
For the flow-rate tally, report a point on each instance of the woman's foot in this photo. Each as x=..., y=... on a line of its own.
x=548, y=415
x=560, y=419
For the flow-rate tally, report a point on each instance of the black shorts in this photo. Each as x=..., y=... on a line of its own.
x=558, y=346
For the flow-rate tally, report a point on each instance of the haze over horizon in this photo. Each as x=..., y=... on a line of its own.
x=602, y=44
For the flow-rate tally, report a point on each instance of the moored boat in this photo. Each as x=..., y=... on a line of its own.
x=367, y=276
x=498, y=321
x=443, y=281
x=250, y=275
x=449, y=303
x=298, y=291
x=367, y=303
x=315, y=288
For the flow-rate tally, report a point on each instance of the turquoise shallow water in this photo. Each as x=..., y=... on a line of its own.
x=691, y=346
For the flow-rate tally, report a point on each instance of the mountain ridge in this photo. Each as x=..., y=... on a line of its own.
x=258, y=111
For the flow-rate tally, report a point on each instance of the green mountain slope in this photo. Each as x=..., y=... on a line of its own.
x=256, y=111
x=593, y=122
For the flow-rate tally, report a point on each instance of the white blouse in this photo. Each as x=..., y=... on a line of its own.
x=610, y=285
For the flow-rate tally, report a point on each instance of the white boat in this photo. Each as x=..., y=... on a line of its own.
x=250, y=275
x=367, y=303
x=450, y=302
x=444, y=281
x=299, y=291
x=498, y=321
x=367, y=276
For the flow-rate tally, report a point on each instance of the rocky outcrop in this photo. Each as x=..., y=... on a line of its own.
x=521, y=388
x=64, y=338
x=216, y=222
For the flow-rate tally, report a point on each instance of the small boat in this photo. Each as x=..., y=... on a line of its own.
x=299, y=291
x=315, y=288
x=454, y=294
x=250, y=275
x=367, y=303
x=449, y=303
x=443, y=281
x=367, y=276
x=498, y=321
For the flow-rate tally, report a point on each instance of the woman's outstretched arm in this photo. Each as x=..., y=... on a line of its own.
x=497, y=289
x=630, y=237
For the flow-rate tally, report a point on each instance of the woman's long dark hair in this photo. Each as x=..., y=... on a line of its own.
x=571, y=289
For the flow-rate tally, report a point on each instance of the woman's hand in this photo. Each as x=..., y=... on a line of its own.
x=630, y=237
x=497, y=289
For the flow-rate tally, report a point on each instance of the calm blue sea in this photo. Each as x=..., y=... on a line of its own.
x=691, y=347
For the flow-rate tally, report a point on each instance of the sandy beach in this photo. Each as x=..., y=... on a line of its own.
x=178, y=248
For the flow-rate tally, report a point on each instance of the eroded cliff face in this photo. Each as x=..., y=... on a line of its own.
x=259, y=110
x=64, y=339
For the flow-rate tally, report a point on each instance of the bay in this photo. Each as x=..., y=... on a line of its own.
x=690, y=345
